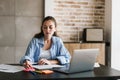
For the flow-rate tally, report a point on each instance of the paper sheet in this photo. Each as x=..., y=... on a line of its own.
x=46, y=66
x=96, y=65
x=10, y=68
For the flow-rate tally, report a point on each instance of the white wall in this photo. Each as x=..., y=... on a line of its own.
x=115, y=49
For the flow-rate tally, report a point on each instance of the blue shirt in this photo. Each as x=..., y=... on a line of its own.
x=57, y=50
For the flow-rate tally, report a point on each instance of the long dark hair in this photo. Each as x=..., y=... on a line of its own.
x=41, y=34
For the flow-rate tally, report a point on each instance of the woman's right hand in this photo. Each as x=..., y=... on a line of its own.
x=27, y=64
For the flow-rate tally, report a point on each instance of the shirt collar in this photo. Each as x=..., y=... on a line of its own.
x=41, y=40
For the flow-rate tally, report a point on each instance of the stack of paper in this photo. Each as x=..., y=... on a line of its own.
x=10, y=68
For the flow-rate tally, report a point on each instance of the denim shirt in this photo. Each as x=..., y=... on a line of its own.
x=57, y=50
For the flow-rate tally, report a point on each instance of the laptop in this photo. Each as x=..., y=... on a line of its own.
x=82, y=60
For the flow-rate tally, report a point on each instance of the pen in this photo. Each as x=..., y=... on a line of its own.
x=33, y=73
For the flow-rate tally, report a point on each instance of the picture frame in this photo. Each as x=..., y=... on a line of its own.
x=93, y=35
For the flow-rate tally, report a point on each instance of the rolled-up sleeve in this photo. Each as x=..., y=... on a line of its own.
x=29, y=53
x=64, y=55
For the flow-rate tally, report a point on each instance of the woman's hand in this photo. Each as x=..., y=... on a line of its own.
x=44, y=62
x=27, y=64
x=47, y=62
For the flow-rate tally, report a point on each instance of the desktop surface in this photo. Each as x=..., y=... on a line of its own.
x=100, y=73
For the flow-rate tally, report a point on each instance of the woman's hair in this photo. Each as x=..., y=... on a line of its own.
x=41, y=34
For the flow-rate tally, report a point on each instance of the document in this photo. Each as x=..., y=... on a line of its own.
x=10, y=68
x=46, y=66
x=96, y=65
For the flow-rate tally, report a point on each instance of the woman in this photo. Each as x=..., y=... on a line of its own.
x=46, y=47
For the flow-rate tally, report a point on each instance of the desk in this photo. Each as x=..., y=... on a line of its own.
x=101, y=73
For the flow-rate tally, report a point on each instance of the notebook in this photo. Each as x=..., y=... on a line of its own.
x=82, y=60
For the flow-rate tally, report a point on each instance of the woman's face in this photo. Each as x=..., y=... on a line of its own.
x=48, y=28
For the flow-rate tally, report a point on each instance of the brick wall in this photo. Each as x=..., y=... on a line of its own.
x=74, y=15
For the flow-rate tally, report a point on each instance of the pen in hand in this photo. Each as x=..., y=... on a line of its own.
x=27, y=64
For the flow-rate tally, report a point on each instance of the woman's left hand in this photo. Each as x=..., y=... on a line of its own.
x=44, y=62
